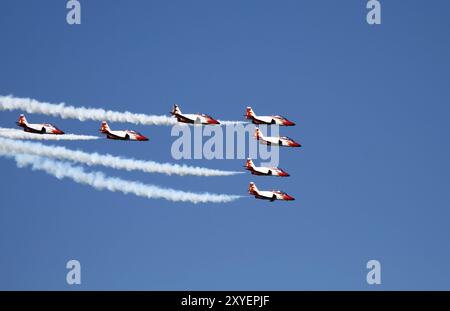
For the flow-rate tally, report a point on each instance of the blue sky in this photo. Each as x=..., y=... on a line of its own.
x=371, y=107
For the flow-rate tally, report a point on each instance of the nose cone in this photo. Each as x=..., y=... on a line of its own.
x=212, y=121
x=57, y=132
x=143, y=138
x=284, y=174
x=288, y=123
x=294, y=144
x=287, y=197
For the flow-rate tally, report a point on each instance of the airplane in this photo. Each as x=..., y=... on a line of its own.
x=121, y=135
x=264, y=171
x=192, y=118
x=270, y=195
x=44, y=128
x=278, y=120
x=279, y=141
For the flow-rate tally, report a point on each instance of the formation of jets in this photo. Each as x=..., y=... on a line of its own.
x=282, y=141
x=203, y=119
x=270, y=195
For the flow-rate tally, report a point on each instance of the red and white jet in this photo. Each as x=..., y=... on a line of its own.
x=121, y=135
x=192, y=118
x=264, y=171
x=270, y=195
x=44, y=128
x=277, y=141
x=277, y=120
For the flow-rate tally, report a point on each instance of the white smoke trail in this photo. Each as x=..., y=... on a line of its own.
x=81, y=113
x=20, y=134
x=99, y=181
x=106, y=160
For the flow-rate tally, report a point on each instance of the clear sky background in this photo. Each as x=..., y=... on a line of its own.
x=371, y=105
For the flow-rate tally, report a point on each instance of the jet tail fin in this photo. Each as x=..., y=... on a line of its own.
x=249, y=164
x=258, y=134
x=253, y=189
x=22, y=120
x=175, y=110
x=250, y=113
x=105, y=127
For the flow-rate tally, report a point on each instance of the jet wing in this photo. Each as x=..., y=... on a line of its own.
x=270, y=140
x=185, y=118
x=117, y=134
x=263, y=120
